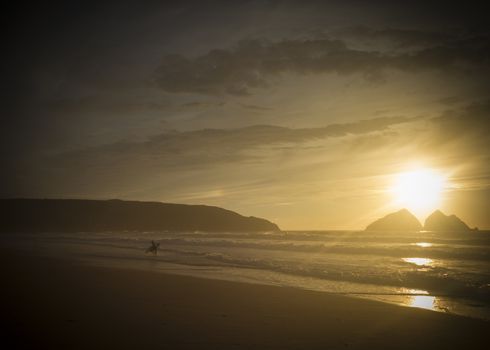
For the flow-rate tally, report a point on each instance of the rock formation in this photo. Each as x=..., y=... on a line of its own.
x=402, y=220
x=438, y=221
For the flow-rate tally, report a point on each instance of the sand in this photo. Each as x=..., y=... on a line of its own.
x=60, y=304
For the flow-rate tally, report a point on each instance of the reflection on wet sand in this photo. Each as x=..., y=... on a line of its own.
x=423, y=301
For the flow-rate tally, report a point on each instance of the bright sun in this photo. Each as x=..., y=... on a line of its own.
x=419, y=191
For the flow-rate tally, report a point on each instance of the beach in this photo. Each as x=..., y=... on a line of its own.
x=54, y=303
x=254, y=175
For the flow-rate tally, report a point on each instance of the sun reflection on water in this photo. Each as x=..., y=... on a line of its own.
x=423, y=301
x=413, y=291
x=423, y=244
x=419, y=261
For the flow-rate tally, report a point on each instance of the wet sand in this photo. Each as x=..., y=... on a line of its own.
x=60, y=304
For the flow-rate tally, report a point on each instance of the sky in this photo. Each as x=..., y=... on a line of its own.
x=301, y=112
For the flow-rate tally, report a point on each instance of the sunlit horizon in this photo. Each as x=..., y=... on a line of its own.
x=419, y=190
x=306, y=122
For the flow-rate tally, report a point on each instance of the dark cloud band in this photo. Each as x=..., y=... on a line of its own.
x=252, y=63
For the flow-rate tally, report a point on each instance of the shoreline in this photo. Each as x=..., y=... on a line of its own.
x=55, y=303
x=128, y=255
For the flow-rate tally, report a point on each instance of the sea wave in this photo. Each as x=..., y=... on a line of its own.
x=459, y=265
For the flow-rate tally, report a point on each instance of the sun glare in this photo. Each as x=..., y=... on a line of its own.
x=419, y=191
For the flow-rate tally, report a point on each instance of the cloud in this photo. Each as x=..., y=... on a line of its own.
x=397, y=37
x=97, y=104
x=251, y=64
x=456, y=138
x=176, y=161
x=255, y=108
x=218, y=145
x=470, y=124
x=203, y=104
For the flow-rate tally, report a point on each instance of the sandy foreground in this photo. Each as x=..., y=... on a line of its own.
x=60, y=304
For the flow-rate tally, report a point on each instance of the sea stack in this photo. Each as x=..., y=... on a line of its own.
x=438, y=221
x=402, y=220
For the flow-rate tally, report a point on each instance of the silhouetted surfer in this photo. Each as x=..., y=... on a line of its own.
x=153, y=248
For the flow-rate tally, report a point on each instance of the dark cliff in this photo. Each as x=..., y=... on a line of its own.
x=73, y=215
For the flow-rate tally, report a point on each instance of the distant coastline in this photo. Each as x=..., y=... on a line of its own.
x=77, y=215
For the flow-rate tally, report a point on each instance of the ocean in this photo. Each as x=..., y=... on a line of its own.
x=443, y=271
